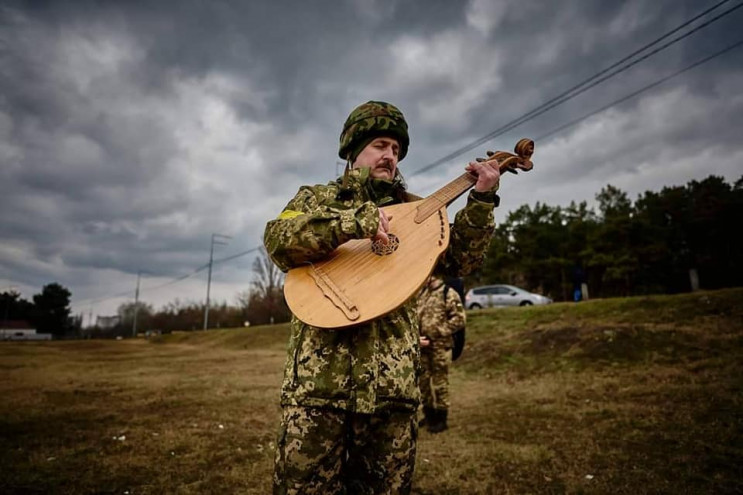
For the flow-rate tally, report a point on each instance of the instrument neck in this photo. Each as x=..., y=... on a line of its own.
x=445, y=196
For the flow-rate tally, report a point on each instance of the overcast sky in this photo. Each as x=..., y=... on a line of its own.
x=132, y=131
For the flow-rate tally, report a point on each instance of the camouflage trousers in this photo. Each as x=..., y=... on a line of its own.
x=434, y=379
x=329, y=451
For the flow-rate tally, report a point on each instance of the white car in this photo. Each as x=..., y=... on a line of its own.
x=489, y=296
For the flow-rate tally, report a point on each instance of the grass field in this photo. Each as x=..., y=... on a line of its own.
x=621, y=396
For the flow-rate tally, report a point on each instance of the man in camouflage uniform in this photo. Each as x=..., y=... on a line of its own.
x=350, y=396
x=440, y=313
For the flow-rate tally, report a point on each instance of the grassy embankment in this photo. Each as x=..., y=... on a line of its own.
x=638, y=395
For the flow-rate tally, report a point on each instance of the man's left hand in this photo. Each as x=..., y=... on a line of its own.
x=488, y=175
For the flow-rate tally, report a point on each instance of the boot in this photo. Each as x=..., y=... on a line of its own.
x=438, y=424
x=428, y=413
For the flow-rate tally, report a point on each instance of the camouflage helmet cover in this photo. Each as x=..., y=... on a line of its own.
x=373, y=119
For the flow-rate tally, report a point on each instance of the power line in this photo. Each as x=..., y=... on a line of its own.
x=238, y=255
x=641, y=90
x=174, y=281
x=178, y=279
x=584, y=85
x=92, y=301
x=129, y=292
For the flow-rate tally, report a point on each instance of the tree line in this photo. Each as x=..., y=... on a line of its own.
x=664, y=242
x=48, y=311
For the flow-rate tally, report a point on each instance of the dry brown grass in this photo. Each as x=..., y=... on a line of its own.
x=638, y=395
x=193, y=419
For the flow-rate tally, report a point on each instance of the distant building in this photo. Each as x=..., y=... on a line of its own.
x=20, y=330
x=107, y=322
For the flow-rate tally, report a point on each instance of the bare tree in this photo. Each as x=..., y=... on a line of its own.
x=242, y=299
x=269, y=279
x=265, y=300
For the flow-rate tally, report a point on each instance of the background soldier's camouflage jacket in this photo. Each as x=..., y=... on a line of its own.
x=438, y=321
x=370, y=367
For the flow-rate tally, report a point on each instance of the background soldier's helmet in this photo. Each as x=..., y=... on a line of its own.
x=371, y=120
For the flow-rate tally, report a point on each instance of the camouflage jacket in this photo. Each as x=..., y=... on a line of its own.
x=439, y=319
x=372, y=366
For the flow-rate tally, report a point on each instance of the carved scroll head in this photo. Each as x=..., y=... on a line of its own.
x=524, y=149
x=510, y=162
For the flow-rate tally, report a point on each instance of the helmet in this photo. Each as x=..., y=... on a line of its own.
x=370, y=120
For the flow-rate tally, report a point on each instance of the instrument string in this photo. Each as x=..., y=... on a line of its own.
x=445, y=195
x=360, y=256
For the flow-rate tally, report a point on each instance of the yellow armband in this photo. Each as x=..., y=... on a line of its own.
x=289, y=214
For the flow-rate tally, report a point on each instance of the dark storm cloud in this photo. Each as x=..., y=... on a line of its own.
x=131, y=131
x=545, y=48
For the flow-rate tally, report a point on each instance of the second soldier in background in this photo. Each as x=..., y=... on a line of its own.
x=441, y=314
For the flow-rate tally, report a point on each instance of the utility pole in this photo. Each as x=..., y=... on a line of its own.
x=209, y=280
x=136, y=306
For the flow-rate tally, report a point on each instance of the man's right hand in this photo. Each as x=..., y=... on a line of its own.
x=384, y=227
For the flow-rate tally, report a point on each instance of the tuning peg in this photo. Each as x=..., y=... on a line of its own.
x=512, y=170
x=490, y=153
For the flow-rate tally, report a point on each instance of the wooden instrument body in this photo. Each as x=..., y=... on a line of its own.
x=374, y=284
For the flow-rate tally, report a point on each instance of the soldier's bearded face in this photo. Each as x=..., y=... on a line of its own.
x=380, y=156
